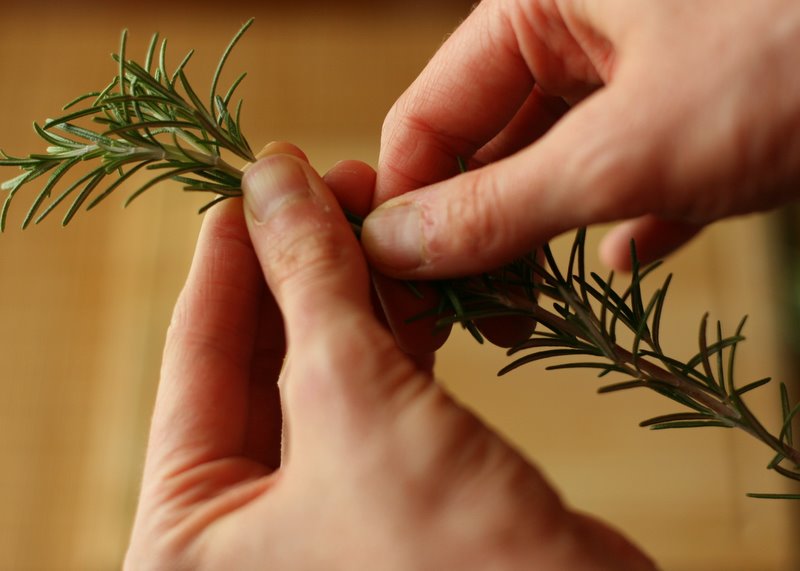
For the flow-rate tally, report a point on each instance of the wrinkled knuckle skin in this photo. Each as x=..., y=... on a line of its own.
x=304, y=258
x=389, y=124
x=606, y=175
x=471, y=225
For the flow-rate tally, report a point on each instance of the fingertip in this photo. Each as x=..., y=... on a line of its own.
x=507, y=332
x=614, y=250
x=272, y=182
x=226, y=214
x=462, y=226
x=281, y=148
x=408, y=315
x=392, y=239
x=653, y=238
x=353, y=184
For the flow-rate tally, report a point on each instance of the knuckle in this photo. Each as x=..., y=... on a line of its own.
x=607, y=174
x=350, y=373
x=305, y=258
x=471, y=224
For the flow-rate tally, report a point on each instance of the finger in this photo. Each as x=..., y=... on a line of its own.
x=314, y=266
x=475, y=84
x=591, y=167
x=265, y=435
x=302, y=239
x=654, y=238
x=353, y=185
x=282, y=147
x=410, y=312
x=264, y=429
x=202, y=410
x=536, y=116
x=403, y=308
x=506, y=331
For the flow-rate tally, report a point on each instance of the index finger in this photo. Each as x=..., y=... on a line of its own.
x=469, y=90
x=477, y=83
x=203, y=401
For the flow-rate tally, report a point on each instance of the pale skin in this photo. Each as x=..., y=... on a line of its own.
x=666, y=114
x=682, y=112
x=361, y=461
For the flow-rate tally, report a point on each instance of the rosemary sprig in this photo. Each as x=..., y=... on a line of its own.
x=586, y=320
x=150, y=120
x=145, y=118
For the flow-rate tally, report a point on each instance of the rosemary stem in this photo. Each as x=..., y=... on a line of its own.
x=727, y=409
x=170, y=152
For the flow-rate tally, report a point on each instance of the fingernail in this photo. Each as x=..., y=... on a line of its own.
x=266, y=150
x=282, y=148
x=393, y=237
x=270, y=183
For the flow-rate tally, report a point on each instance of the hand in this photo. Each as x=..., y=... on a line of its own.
x=375, y=468
x=681, y=113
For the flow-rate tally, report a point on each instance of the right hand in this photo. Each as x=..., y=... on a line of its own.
x=682, y=113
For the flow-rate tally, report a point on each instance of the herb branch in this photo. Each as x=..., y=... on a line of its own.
x=145, y=118
x=585, y=324
x=149, y=120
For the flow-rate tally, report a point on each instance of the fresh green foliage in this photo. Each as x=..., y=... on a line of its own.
x=145, y=118
x=586, y=323
x=150, y=120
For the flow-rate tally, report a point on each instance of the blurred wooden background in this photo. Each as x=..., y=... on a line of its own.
x=84, y=309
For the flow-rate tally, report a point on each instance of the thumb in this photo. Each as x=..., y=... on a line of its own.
x=590, y=167
x=342, y=359
x=308, y=252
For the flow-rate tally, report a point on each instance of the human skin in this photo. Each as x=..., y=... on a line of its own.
x=290, y=432
x=664, y=115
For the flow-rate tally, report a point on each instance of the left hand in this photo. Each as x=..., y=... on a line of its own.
x=360, y=461
x=683, y=113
